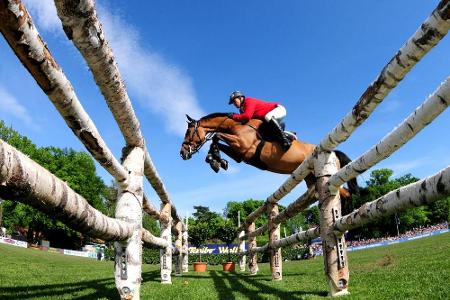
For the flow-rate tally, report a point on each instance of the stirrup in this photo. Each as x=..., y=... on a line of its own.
x=290, y=135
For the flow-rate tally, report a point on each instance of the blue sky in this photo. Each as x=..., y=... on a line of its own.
x=178, y=57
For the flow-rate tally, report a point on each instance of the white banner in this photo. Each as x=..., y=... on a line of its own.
x=12, y=242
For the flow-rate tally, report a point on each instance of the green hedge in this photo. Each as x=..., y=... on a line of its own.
x=151, y=256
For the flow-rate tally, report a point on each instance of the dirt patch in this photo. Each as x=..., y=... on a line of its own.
x=386, y=260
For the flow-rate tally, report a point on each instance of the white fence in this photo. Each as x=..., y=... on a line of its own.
x=323, y=164
x=24, y=180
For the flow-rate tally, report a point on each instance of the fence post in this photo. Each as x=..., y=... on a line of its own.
x=179, y=246
x=242, y=257
x=128, y=260
x=274, y=235
x=185, y=263
x=334, y=249
x=166, y=253
x=241, y=250
x=252, y=257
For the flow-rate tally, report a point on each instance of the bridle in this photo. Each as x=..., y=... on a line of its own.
x=209, y=136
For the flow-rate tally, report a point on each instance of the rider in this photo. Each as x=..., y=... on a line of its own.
x=252, y=108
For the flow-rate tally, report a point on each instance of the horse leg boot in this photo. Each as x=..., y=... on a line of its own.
x=281, y=137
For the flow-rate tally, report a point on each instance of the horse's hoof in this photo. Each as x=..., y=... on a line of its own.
x=215, y=165
x=224, y=164
x=208, y=158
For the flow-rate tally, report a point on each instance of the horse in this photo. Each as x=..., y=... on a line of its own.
x=251, y=143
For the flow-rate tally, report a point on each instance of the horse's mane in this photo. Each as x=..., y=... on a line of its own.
x=214, y=115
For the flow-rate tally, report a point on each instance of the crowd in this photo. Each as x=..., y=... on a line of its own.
x=316, y=248
x=411, y=233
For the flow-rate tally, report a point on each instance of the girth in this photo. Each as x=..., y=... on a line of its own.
x=255, y=160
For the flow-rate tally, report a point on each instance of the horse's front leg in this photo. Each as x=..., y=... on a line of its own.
x=228, y=149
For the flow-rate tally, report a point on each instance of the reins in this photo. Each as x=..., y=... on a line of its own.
x=208, y=136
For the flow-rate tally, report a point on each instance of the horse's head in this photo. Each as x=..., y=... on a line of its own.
x=194, y=139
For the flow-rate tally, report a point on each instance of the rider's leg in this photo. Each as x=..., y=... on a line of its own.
x=274, y=118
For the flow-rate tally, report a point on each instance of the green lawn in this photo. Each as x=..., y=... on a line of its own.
x=415, y=270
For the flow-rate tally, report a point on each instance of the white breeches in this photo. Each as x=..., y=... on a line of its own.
x=278, y=113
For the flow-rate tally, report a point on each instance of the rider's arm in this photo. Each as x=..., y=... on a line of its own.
x=247, y=114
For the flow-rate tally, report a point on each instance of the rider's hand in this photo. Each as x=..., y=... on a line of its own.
x=230, y=115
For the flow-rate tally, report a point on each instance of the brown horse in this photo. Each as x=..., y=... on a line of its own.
x=251, y=143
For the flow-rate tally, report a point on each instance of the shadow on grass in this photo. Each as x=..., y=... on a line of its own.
x=253, y=288
x=103, y=288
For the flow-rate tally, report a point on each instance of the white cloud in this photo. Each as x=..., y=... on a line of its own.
x=10, y=106
x=161, y=87
x=44, y=14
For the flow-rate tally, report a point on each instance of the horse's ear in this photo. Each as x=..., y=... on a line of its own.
x=190, y=120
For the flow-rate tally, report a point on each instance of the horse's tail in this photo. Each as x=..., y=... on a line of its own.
x=345, y=160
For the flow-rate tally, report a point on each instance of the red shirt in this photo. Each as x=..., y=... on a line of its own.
x=253, y=108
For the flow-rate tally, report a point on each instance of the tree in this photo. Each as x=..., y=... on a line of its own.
x=246, y=208
x=379, y=184
x=76, y=168
x=204, y=215
x=227, y=232
x=198, y=234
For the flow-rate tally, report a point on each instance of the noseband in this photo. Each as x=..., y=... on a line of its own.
x=208, y=137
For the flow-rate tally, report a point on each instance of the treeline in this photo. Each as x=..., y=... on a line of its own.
x=380, y=183
x=77, y=168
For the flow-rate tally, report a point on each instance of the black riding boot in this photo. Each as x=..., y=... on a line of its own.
x=282, y=138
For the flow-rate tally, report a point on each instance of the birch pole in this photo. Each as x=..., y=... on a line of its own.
x=252, y=257
x=334, y=250
x=179, y=247
x=22, y=179
x=128, y=262
x=166, y=253
x=241, y=234
x=185, y=263
x=415, y=194
x=19, y=31
x=81, y=25
x=274, y=235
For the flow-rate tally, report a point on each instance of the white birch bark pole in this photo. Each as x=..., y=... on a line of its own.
x=257, y=232
x=166, y=253
x=302, y=203
x=334, y=251
x=274, y=235
x=81, y=25
x=185, y=247
x=242, y=256
x=128, y=262
x=252, y=257
x=423, y=40
x=179, y=246
x=22, y=179
x=262, y=249
x=415, y=194
x=152, y=240
x=297, y=237
x=413, y=124
x=19, y=31
x=253, y=216
x=150, y=209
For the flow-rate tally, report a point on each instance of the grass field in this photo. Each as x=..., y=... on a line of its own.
x=414, y=270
